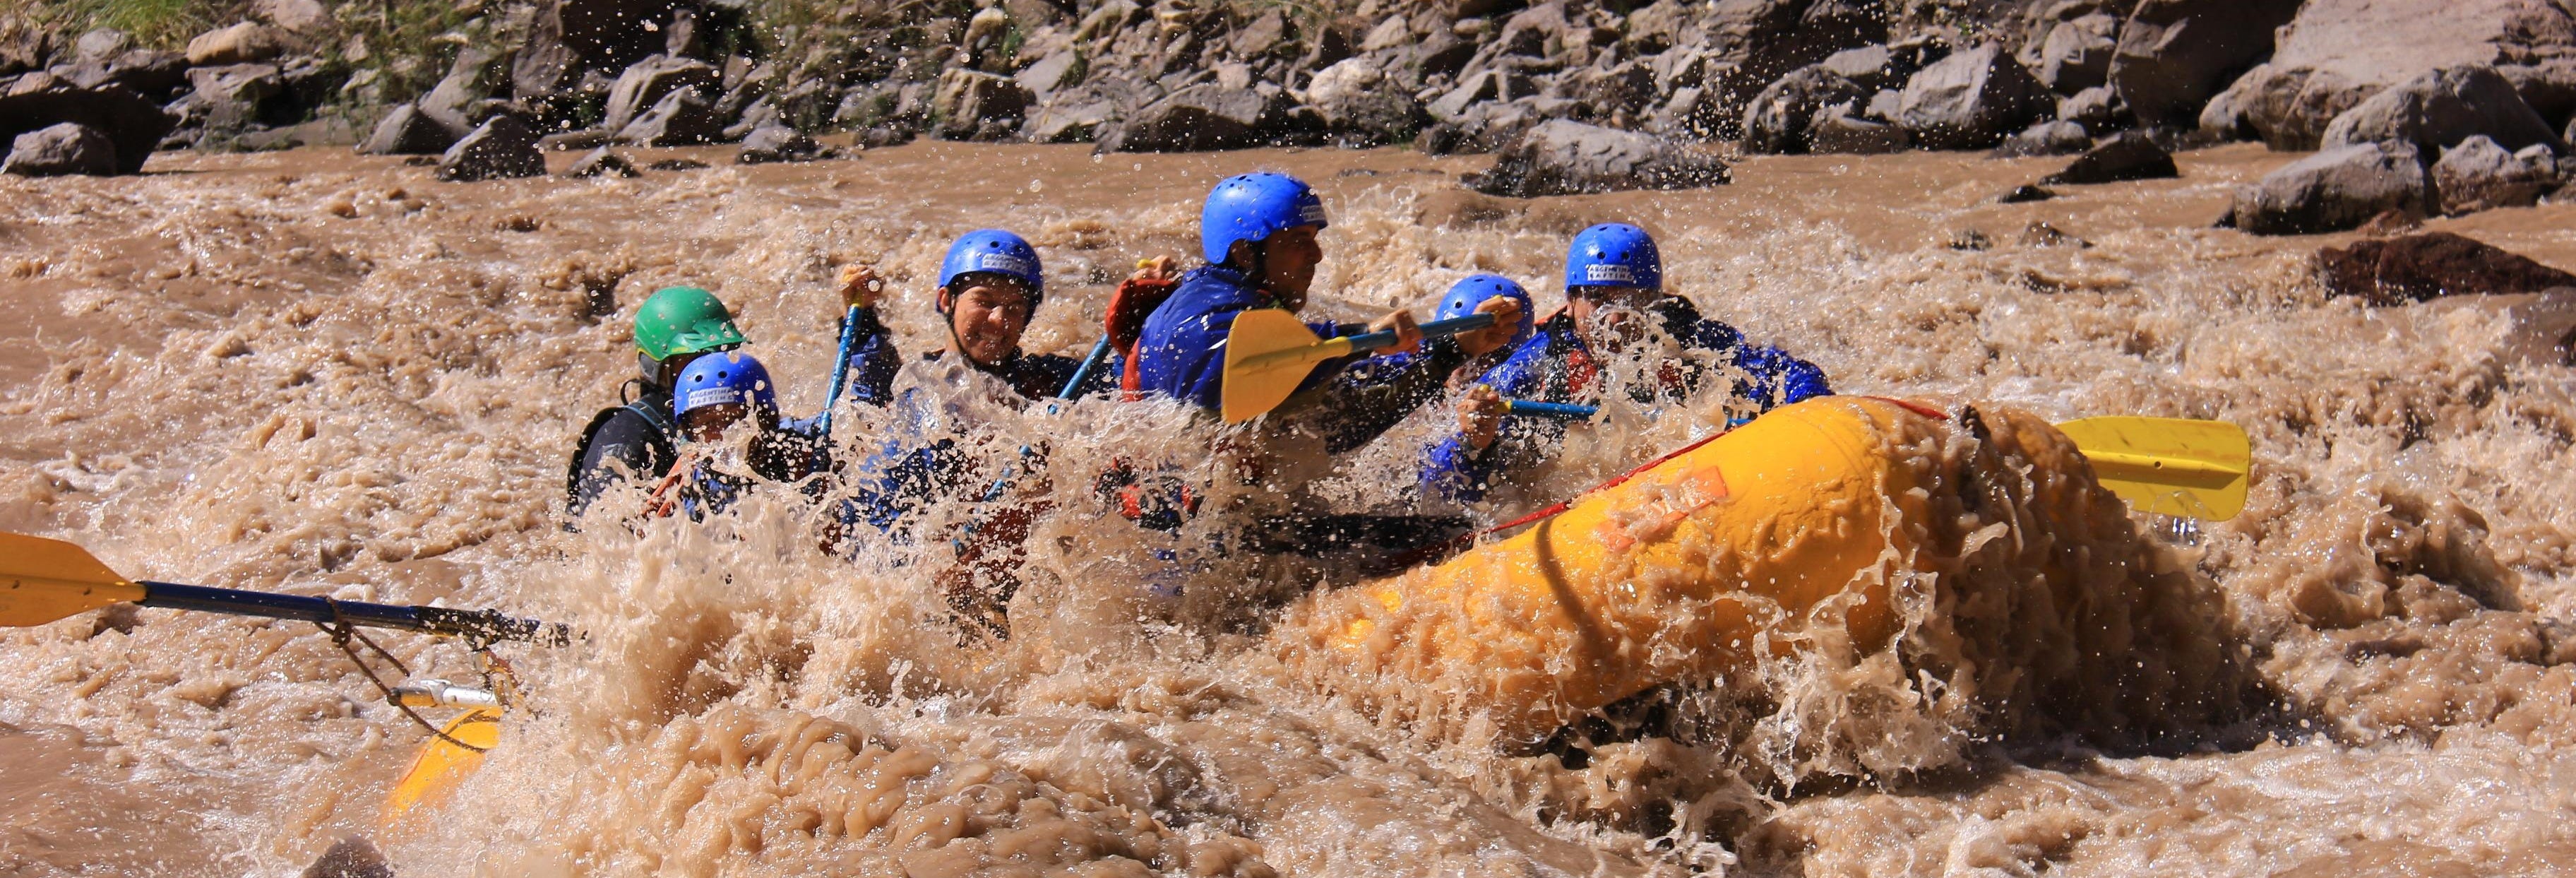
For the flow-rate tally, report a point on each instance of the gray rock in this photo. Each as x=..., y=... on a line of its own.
x=235, y=96
x=2077, y=53
x=2174, y=54
x=2097, y=109
x=1873, y=67
x=1885, y=106
x=1836, y=131
x=503, y=147
x=2287, y=108
x=1971, y=99
x=2479, y=174
x=407, y=131
x=644, y=84
x=777, y=143
x=2128, y=156
x=296, y=16
x=468, y=82
x=1067, y=120
x=1778, y=119
x=65, y=148
x=101, y=45
x=1559, y=157
x=39, y=100
x=569, y=39
x=1492, y=86
x=2334, y=190
x=1207, y=117
x=244, y=43
x=2549, y=86
x=1755, y=42
x=2443, y=107
x=152, y=73
x=1052, y=72
x=2053, y=137
x=1362, y=107
x=979, y=106
x=683, y=117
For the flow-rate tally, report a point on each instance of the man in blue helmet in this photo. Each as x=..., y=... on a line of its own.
x=634, y=440
x=713, y=401
x=1613, y=284
x=1258, y=232
x=990, y=286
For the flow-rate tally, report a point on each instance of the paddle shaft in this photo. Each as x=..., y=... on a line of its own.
x=841, y=366
x=1385, y=338
x=478, y=624
x=1558, y=410
x=1090, y=363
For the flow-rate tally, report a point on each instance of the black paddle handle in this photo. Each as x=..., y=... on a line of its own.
x=487, y=625
x=1385, y=338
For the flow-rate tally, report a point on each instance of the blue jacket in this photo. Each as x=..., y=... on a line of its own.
x=1181, y=354
x=1541, y=370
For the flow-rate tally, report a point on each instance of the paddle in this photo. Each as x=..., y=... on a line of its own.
x=840, y=367
x=42, y=580
x=1558, y=410
x=1269, y=352
x=2168, y=466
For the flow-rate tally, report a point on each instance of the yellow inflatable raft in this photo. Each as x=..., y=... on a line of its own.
x=1796, y=525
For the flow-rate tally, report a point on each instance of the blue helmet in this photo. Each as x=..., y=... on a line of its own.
x=998, y=252
x=724, y=378
x=1614, y=255
x=1252, y=207
x=1477, y=289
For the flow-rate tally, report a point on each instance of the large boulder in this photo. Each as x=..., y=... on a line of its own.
x=2431, y=265
x=2127, y=156
x=1558, y=157
x=2174, y=54
x=2077, y=53
x=1972, y=99
x=66, y=148
x=777, y=143
x=245, y=43
x=1211, y=116
x=1778, y=119
x=974, y=105
x=152, y=73
x=2052, y=137
x=645, y=83
x=2332, y=191
x=2337, y=53
x=568, y=38
x=1362, y=107
x=237, y=96
x=408, y=131
x=2479, y=174
x=504, y=147
x=134, y=124
x=453, y=102
x=683, y=117
x=2443, y=107
x=1838, y=129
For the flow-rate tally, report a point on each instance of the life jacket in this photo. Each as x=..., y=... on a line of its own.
x=658, y=443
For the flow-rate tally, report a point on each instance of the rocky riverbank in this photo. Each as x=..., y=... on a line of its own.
x=2421, y=107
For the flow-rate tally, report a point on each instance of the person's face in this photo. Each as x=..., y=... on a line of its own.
x=987, y=318
x=1289, y=258
x=1586, y=304
x=665, y=371
x=709, y=423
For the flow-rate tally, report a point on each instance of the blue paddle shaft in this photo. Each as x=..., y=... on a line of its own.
x=482, y=624
x=1559, y=410
x=841, y=366
x=1434, y=329
x=1099, y=352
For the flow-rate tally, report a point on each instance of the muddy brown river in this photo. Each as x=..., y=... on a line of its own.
x=331, y=375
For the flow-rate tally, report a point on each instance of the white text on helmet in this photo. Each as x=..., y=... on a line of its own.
x=1611, y=273
x=1004, y=262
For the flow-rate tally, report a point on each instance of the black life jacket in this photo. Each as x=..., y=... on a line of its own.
x=662, y=450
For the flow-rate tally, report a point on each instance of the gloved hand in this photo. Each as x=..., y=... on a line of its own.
x=860, y=286
x=1480, y=416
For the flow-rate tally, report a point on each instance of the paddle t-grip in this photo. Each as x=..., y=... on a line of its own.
x=1385, y=338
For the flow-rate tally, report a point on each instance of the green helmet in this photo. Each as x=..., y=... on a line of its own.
x=683, y=320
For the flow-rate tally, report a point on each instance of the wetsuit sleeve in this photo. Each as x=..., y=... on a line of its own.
x=873, y=361
x=624, y=447
x=1774, y=378
x=1454, y=470
x=1363, y=402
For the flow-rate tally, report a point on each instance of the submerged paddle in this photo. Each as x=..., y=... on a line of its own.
x=42, y=580
x=2168, y=466
x=1269, y=352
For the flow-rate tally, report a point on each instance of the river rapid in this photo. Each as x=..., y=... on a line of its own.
x=328, y=374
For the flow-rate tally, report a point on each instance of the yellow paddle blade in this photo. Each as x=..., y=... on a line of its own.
x=440, y=766
x=1267, y=354
x=42, y=580
x=2168, y=466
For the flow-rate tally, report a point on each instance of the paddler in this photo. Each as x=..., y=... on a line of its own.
x=726, y=408
x=637, y=439
x=1614, y=299
x=1258, y=232
x=990, y=287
